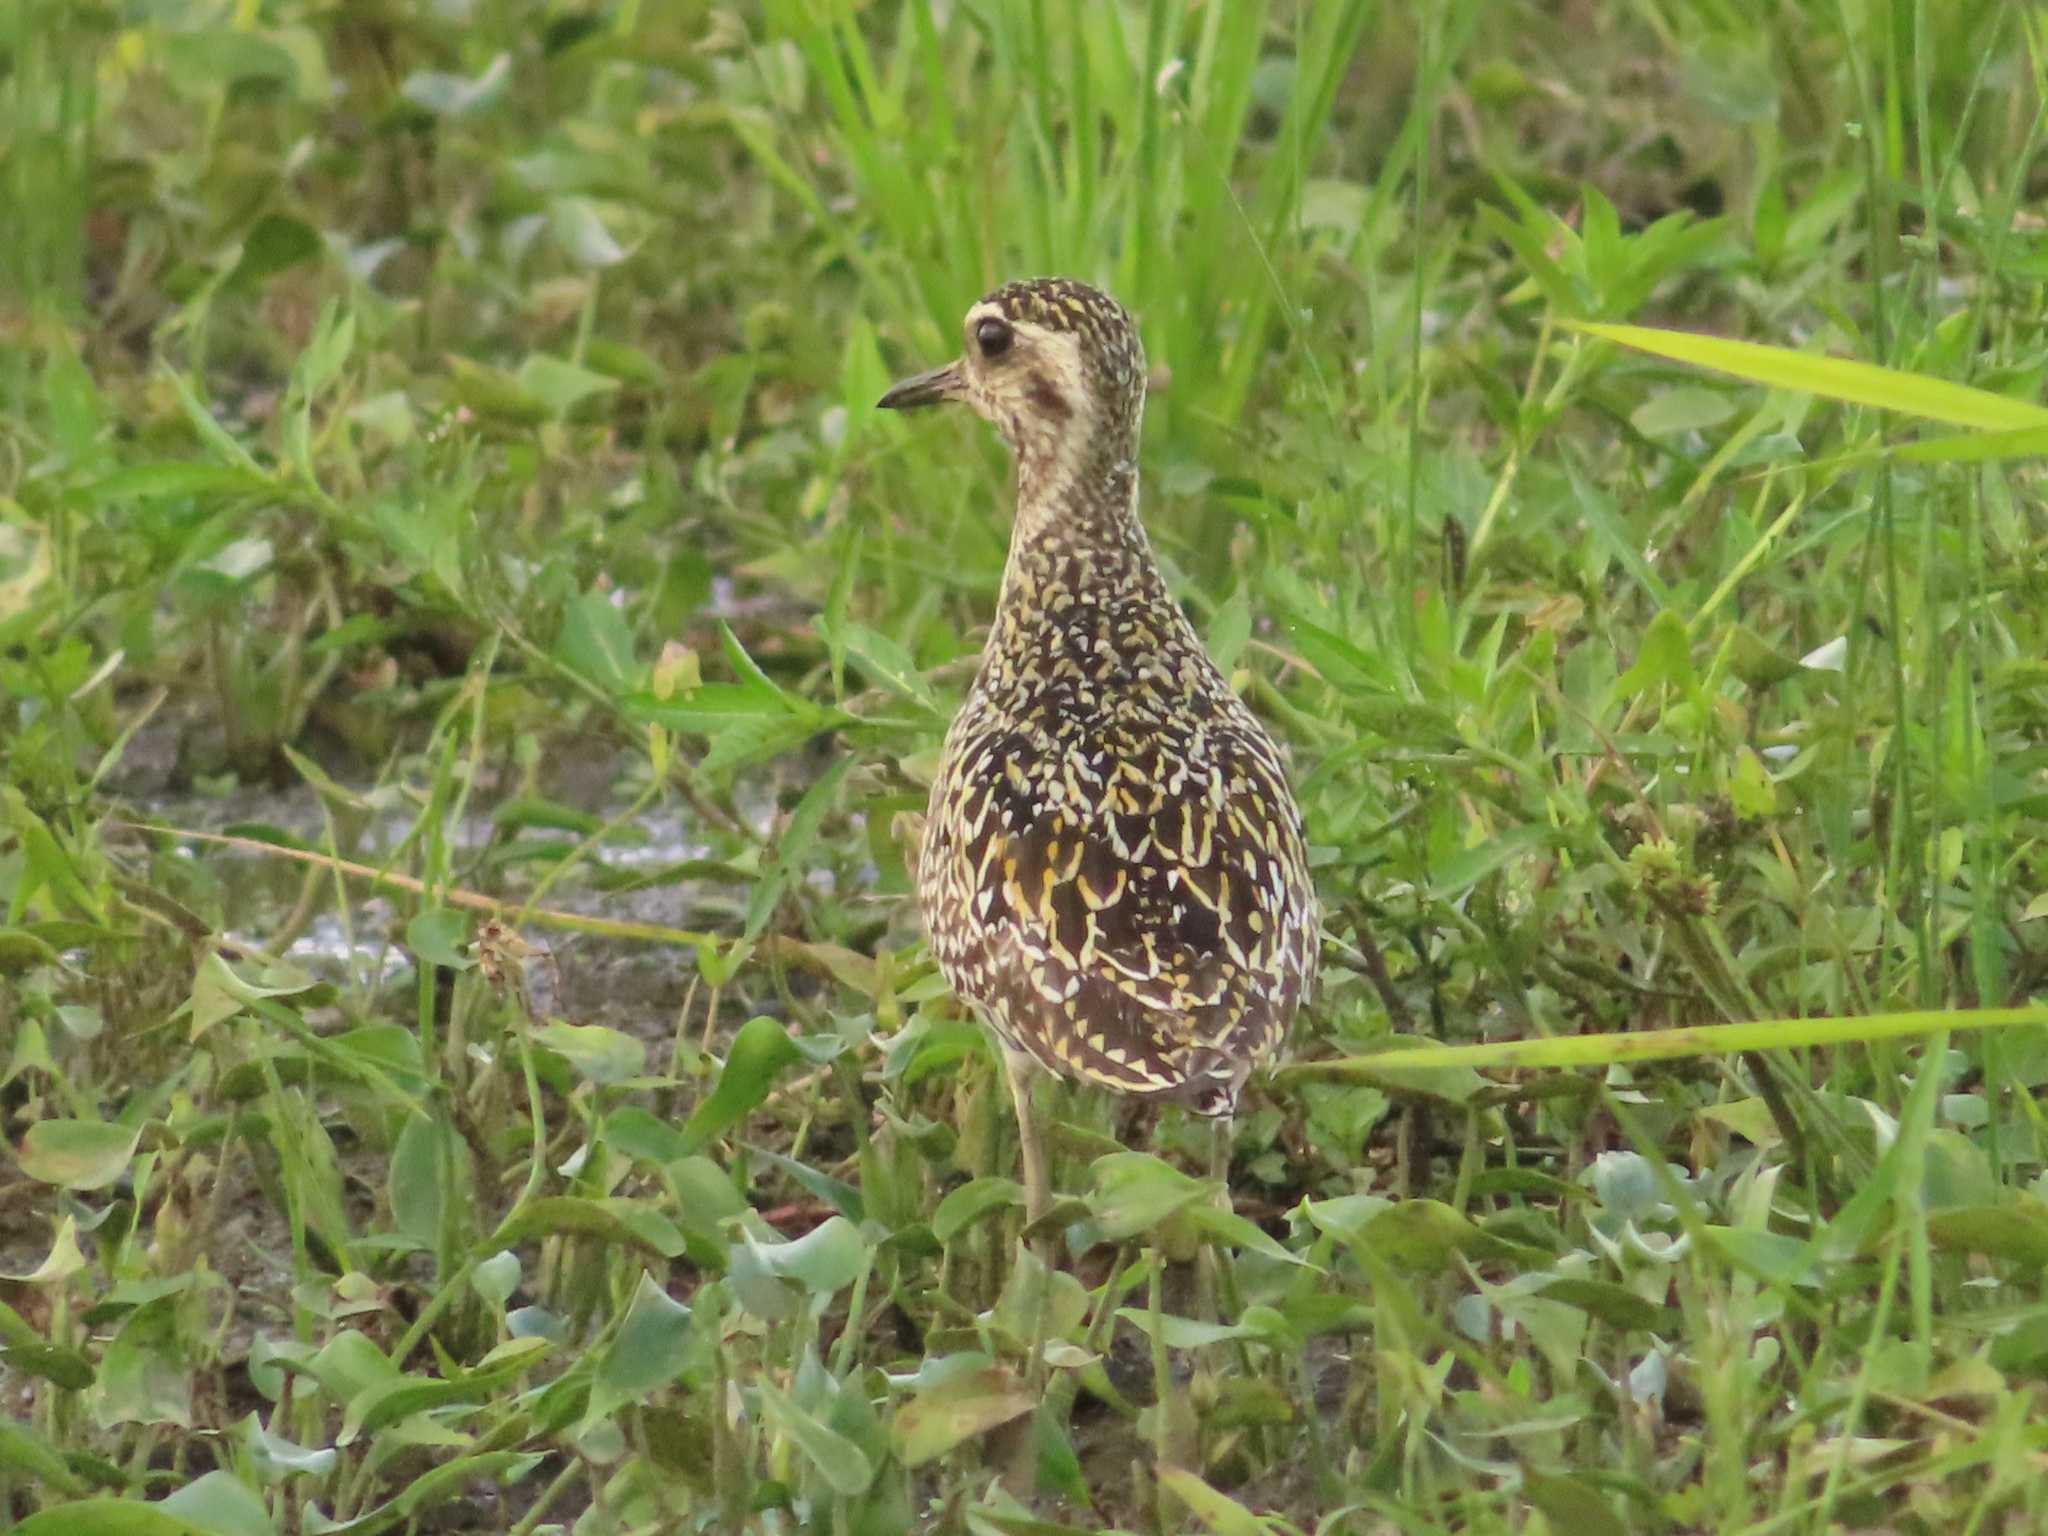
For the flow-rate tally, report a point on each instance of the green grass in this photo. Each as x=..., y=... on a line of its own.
x=438, y=463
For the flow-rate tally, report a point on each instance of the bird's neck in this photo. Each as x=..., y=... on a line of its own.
x=1077, y=542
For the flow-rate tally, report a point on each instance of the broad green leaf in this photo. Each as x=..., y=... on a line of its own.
x=649, y=1350
x=1217, y=1511
x=386, y=1402
x=276, y=243
x=450, y=1479
x=1751, y=789
x=144, y=1377
x=1185, y=1332
x=346, y=1365
x=81, y=1021
x=1422, y=1234
x=2017, y=1233
x=1769, y=1256
x=1609, y=1303
x=1229, y=628
x=1017, y=1311
x=1571, y=1505
x=490, y=392
x=386, y=1048
x=1341, y=664
x=936, y=1420
x=837, y=1193
x=1457, y=874
x=711, y=708
x=198, y=60
x=219, y=990
x=1232, y=1229
x=965, y=1206
x=419, y=1179
x=826, y=1259
x=496, y=1278
x=1665, y=657
x=334, y=337
x=705, y=1196
x=2026, y=443
x=597, y=1054
x=274, y=1459
x=596, y=643
x=1135, y=1191
x=1597, y=506
x=109, y=1517
x=48, y=864
x=618, y=1220
x=773, y=1298
x=456, y=95
x=793, y=849
x=177, y=480
x=29, y=1352
x=1556, y=286
x=582, y=234
x=2022, y=1347
x=887, y=663
x=223, y=1504
x=78, y=1154
x=761, y=1052
x=65, y=1258
x=1750, y=1119
x=559, y=384
x=1688, y=408
x=756, y=741
x=24, y=1452
x=438, y=936
x=1059, y=1465
x=845, y=1466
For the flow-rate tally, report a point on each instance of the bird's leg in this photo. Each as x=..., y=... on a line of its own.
x=1037, y=1191
x=1219, y=1154
x=1037, y=1201
x=1214, y=1277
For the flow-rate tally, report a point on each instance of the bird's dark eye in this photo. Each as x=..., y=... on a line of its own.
x=993, y=336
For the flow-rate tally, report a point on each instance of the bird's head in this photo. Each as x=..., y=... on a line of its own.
x=1054, y=365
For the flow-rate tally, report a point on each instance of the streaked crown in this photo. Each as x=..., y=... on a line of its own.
x=1110, y=350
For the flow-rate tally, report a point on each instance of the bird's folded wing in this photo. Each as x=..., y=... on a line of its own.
x=1130, y=936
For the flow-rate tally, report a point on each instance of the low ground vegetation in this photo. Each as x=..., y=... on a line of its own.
x=467, y=641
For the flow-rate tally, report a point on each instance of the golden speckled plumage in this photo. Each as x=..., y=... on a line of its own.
x=1112, y=872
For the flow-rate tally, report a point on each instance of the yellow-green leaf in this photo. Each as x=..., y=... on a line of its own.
x=1834, y=378
x=935, y=1421
x=77, y=1154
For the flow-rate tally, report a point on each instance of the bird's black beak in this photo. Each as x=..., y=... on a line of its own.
x=933, y=388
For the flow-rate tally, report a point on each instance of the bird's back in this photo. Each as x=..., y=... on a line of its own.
x=1113, y=871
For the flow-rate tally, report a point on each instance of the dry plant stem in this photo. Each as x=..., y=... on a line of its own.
x=1768, y=1089
x=1375, y=967
x=548, y=1495
x=710, y=1020
x=305, y=908
x=794, y=951
x=670, y=1094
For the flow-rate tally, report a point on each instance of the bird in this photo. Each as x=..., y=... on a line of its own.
x=1112, y=872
